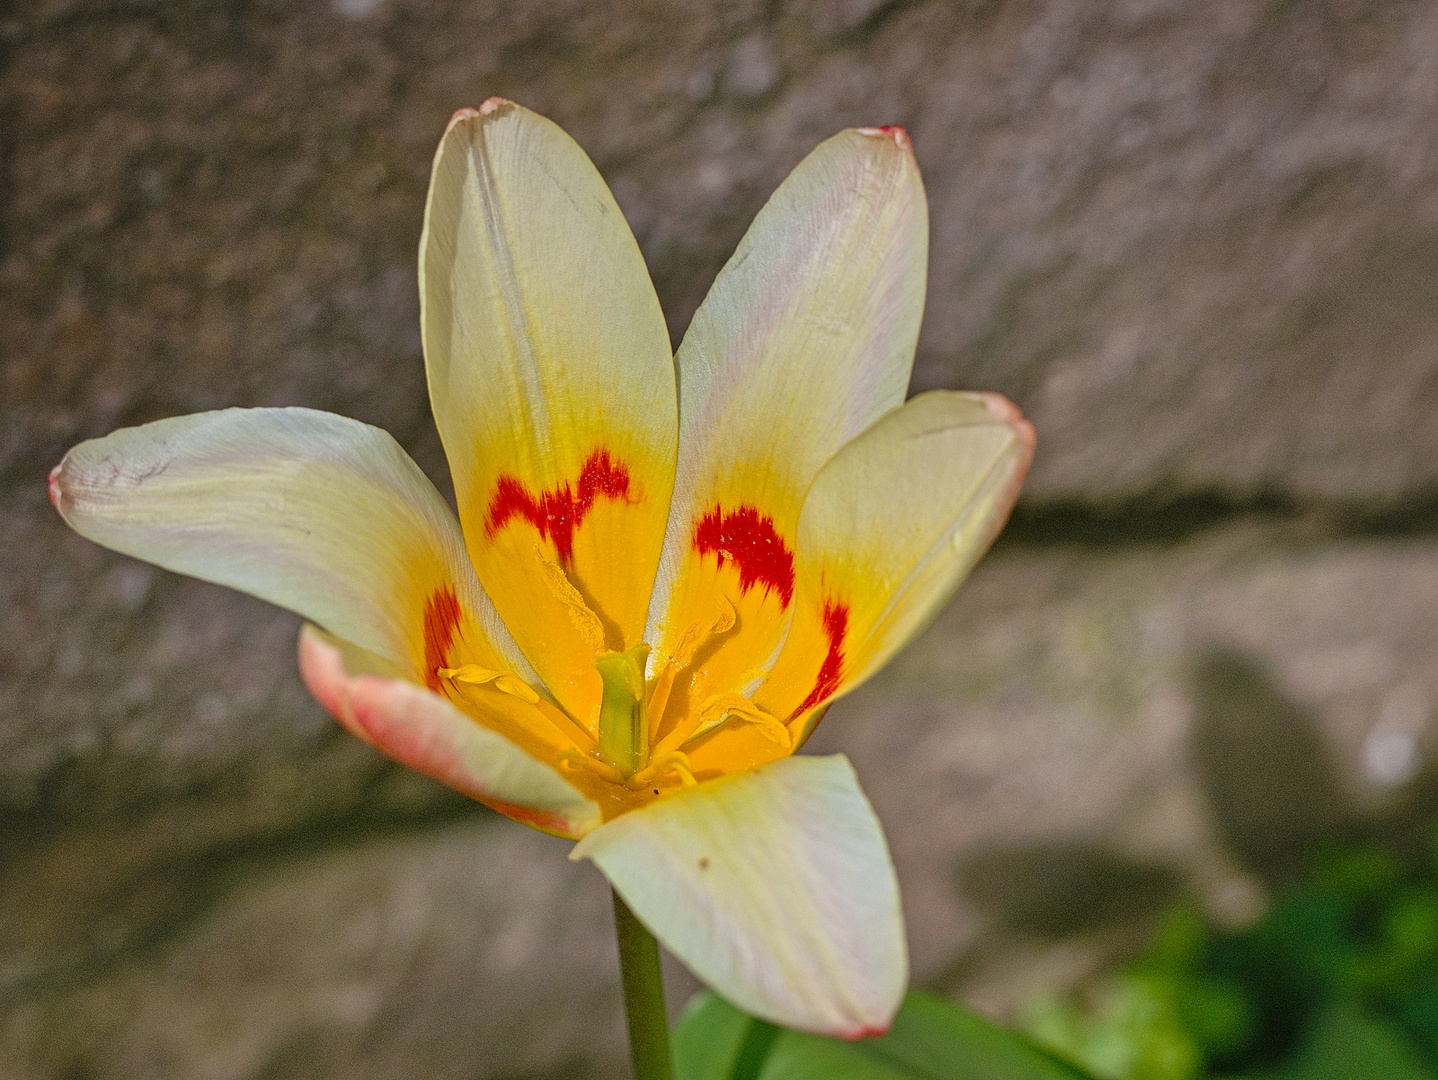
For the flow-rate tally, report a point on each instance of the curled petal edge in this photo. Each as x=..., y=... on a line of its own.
x=421, y=730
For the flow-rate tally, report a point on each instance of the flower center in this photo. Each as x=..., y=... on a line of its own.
x=627, y=749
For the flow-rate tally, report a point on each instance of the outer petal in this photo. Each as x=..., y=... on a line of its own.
x=775, y=887
x=424, y=731
x=891, y=526
x=806, y=338
x=317, y=513
x=552, y=383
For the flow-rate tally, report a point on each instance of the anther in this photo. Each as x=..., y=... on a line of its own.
x=722, y=707
x=675, y=761
x=717, y=710
x=659, y=690
x=475, y=675
x=591, y=630
x=468, y=675
x=577, y=759
x=721, y=621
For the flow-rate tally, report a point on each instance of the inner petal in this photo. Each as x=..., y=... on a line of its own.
x=729, y=608
x=553, y=389
x=560, y=561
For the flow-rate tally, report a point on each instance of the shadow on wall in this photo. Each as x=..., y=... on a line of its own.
x=1274, y=797
x=1057, y=888
x=1272, y=790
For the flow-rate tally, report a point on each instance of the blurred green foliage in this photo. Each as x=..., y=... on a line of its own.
x=1338, y=981
x=931, y=1039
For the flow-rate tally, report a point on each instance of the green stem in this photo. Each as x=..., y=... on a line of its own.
x=643, y=996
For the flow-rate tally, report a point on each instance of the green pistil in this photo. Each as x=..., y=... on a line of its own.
x=623, y=738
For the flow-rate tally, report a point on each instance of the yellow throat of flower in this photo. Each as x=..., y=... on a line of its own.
x=639, y=742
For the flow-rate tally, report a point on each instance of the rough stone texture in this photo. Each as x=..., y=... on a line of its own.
x=475, y=951
x=1197, y=244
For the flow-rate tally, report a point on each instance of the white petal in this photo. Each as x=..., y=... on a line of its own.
x=552, y=382
x=318, y=513
x=775, y=887
x=806, y=338
x=891, y=526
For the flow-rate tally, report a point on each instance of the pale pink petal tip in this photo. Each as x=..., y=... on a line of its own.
x=387, y=713
x=891, y=131
x=489, y=108
x=55, y=485
x=323, y=671
x=1005, y=411
x=466, y=113
x=869, y=1032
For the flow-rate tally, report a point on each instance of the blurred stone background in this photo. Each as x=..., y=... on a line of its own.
x=1197, y=243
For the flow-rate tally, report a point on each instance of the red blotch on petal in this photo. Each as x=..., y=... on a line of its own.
x=441, y=619
x=556, y=514
x=748, y=539
x=831, y=671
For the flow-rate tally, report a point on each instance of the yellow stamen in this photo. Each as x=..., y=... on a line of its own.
x=695, y=637
x=659, y=699
x=722, y=707
x=692, y=640
x=717, y=710
x=473, y=675
x=676, y=761
x=576, y=759
x=591, y=630
x=478, y=676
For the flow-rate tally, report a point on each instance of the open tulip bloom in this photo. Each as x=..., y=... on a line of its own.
x=664, y=569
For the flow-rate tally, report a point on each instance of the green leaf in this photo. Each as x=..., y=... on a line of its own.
x=796, y=1056
x=1138, y=1030
x=1353, y=1045
x=715, y=1041
x=930, y=1040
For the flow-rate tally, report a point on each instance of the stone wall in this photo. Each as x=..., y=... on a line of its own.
x=1198, y=244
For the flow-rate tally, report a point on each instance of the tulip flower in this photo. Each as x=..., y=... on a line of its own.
x=664, y=567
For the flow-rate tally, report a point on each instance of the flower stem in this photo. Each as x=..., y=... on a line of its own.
x=643, y=996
